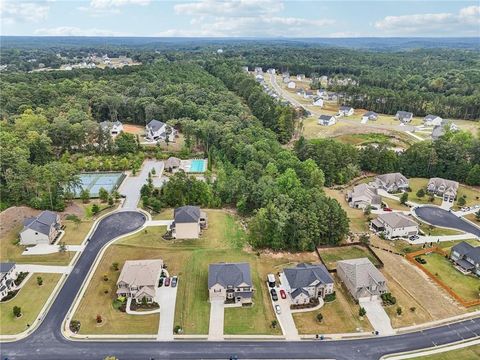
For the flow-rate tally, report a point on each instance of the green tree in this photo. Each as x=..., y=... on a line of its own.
x=39, y=281
x=319, y=317
x=404, y=198
x=17, y=311
x=420, y=193
x=126, y=143
x=362, y=312
x=85, y=195
x=103, y=194
x=95, y=209
x=461, y=201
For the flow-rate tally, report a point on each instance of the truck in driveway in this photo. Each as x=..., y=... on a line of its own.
x=271, y=280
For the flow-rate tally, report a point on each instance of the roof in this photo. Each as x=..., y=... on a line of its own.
x=325, y=117
x=229, y=274
x=187, y=214
x=465, y=264
x=304, y=275
x=42, y=223
x=360, y=271
x=436, y=181
x=298, y=291
x=345, y=108
x=141, y=272
x=396, y=220
x=5, y=268
x=363, y=190
x=467, y=250
x=431, y=117
x=155, y=125
x=392, y=178
x=371, y=114
x=172, y=162
x=404, y=114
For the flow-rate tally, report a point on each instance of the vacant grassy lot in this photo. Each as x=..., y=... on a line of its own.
x=10, y=250
x=31, y=298
x=330, y=256
x=339, y=316
x=465, y=286
x=468, y=353
x=358, y=221
x=75, y=234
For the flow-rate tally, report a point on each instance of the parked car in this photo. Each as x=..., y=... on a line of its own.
x=174, y=281
x=414, y=237
x=283, y=294
x=273, y=292
x=387, y=209
x=167, y=281
x=160, y=282
x=278, y=310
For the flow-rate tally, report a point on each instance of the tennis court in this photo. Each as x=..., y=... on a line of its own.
x=95, y=181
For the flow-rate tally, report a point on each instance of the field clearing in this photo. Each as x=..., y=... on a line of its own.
x=339, y=316
x=331, y=256
x=24, y=299
x=465, y=286
x=134, y=129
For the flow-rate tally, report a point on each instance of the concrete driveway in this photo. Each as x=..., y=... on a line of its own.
x=166, y=298
x=132, y=184
x=217, y=313
x=285, y=318
x=51, y=269
x=377, y=316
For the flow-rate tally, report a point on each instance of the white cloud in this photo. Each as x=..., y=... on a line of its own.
x=432, y=23
x=104, y=4
x=17, y=11
x=75, y=31
x=237, y=18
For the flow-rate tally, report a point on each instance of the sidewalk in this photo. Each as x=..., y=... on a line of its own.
x=43, y=249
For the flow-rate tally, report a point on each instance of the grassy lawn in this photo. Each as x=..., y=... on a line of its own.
x=332, y=255
x=31, y=298
x=10, y=250
x=417, y=184
x=339, y=316
x=358, y=221
x=465, y=286
x=470, y=193
x=75, y=234
x=437, y=231
x=468, y=353
x=166, y=214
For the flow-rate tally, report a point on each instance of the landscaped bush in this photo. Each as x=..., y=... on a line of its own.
x=143, y=306
x=75, y=326
x=10, y=295
x=312, y=303
x=20, y=278
x=388, y=299
x=330, y=297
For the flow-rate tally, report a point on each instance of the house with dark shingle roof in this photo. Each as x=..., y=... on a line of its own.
x=188, y=222
x=327, y=120
x=42, y=229
x=391, y=182
x=8, y=275
x=345, y=111
x=432, y=120
x=370, y=115
x=306, y=282
x=230, y=283
x=404, y=116
x=157, y=130
x=466, y=257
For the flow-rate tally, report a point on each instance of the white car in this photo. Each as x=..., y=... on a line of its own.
x=278, y=310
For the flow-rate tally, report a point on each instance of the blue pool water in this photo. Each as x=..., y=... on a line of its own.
x=198, y=165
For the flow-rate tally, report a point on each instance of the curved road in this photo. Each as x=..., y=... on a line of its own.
x=48, y=343
x=443, y=218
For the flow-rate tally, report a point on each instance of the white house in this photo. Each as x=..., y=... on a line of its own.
x=308, y=94
x=318, y=101
x=42, y=229
x=404, y=116
x=327, y=120
x=369, y=115
x=157, y=130
x=363, y=196
x=8, y=275
x=394, y=225
x=345, y=111
x=432, y=120
x=391, y=182
x=271, y=71
x=300, y=77
x=291, y=85
x=114, y=128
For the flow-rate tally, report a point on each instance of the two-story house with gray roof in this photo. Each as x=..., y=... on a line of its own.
x=466, y=257
x=188, y=222
x=404, y=116
x=391, y=182
x=362, y=279
x=346, y=111
x=306, y=282
x=447, y=189
x=362, y=196
x=394, y=225
x=139, y=278
x=42, y=229
x=230, y=283
x=157, y=130
x=8, y=275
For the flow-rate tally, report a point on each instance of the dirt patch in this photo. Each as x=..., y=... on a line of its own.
x=133, y=129
x=73, y=208
x=13, y=216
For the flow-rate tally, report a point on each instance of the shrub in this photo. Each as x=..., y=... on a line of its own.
x=39, y=281
x=99, y=319
x=178, y=329
x=319, y=317
x=95, y=209
x=399, y=311
x=420, y=193
x=115, y=266
x=330, y=297
x=362, y=312
x=75, y=326
x=17, y=311
x=413, y=308
x=274, y=324
x=388, y=299
x=461, y=201
x=105, y=277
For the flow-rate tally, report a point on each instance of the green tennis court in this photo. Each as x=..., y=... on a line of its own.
x=95, y=181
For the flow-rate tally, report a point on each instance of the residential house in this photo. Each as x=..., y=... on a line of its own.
x=466, y=257
x=42, y=229
x=394, y=225
x=307, y=94
x=363, y=196
x=158, y=130
x=391, y=182
x=327, y=120
x=188, y=222
x=114, y=128
x=318, y=101
x=291, y=85
x=432, y=120
x=258, y=70
x=439, y=130
x=345, y=111
x=230, y=283
x=331, y=97
x=300, y=77
x=271, y=71
x=259, y=78
x=286, y=79
x=447, y=189
x=306, y=282
x=369, y=115
x=286, y=74
x=8, y=275
x=139, y=278
x=172, y=164
x=321, y=92
x=362, y=279
x=300, y=91
x=404, y=116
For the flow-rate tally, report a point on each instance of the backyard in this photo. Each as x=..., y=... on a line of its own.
x=330, y=256
x=465, y=286
x=30, y=309
x=358, y=220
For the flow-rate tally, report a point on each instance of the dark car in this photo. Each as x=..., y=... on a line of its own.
x=167, y=281
x=273, y=292
x=174, y=281
x=160, y=282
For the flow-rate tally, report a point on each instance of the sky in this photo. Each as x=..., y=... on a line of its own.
x=240, y=18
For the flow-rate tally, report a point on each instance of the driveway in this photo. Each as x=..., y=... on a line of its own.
x=132, y=184
x=377, y=316
x=217, y=312
x=443, y=218
x=51, y=269
x=285, y=318
x=166, y=298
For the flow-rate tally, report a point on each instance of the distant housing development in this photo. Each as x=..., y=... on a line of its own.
x=404, y=116
x=42, y=229
x=327, y=120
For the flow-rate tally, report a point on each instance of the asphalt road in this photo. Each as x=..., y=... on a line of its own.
x=48, y=343
x=440, y=217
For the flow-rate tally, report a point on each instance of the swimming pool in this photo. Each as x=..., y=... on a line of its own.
x=198, y=165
